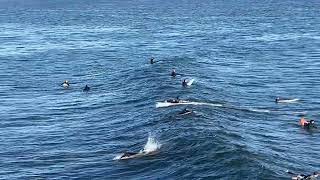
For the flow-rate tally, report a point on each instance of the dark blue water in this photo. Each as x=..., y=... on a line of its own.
x=242, y=54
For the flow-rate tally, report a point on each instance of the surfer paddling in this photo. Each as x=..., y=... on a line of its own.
x=185, y=111
x=307, y=124
x=284, y=100
x=173, y=73
x=177, y=100
x=86, y=88
x=151, y=148
x=295, y=176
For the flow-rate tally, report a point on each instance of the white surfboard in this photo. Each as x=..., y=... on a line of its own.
x=287, y=100
x=190, y=82
x=168, y=104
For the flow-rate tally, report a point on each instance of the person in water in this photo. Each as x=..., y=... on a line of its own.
x=315, y=175
x=185, y=111
x=177, y=100
x=128, y=155
x=307, y=124
x=152, y=61
x=285, y=100
x=86, y=88
x=185, y=83
x=173, y=73
x=65, y=84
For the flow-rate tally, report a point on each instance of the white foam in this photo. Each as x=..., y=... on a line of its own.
x=118, y=157
x=152, y=145
x=168, y=104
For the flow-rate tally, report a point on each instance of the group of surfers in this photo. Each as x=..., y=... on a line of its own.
x=173, y=73
x=312, y=176
x=128, y=155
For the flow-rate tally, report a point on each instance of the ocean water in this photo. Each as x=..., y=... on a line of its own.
x=241, y=53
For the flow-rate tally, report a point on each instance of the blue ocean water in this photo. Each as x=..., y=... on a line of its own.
x=242, y=55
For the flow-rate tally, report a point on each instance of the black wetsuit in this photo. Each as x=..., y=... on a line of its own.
x=309, y=126
x=87, y=88
x=173, y=74
x=185, y=111
x=173, y=100
x=128, y=154
x=184, y=83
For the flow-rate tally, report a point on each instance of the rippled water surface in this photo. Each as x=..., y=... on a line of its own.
x=242, y=55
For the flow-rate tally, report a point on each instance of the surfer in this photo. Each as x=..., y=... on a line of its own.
x=130, y=155
x=86, y=88
x=65, y=84
x=127, y=155
x=185, y=111
x=307, y=124
x=150, y=148
x=315, y=175
x=173, y=73
x=283, y=100
x=177, y=100
x=185, y=83
x=152, y=61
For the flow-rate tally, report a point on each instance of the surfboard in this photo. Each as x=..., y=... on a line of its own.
x=190, y=82
x=167, y=104
x=181, y=114
x=287, y=100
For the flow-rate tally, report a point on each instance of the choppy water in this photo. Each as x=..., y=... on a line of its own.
x=242, y=54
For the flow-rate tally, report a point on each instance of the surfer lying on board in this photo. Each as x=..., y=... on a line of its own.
x=130, y=155
x=177, y=100
x=313, y=176
x=307, y=124
x=151, y=148
x=284, y=100
x=127, y=155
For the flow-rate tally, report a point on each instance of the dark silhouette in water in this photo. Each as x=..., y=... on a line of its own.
x=185, y=83
x=128, y=155
x=307, y=124
x=65, y=84
x=173, y=73
x=152, y=61
x=313, y=176
x=185, y=111
x=177, y=100
x=86, y=88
